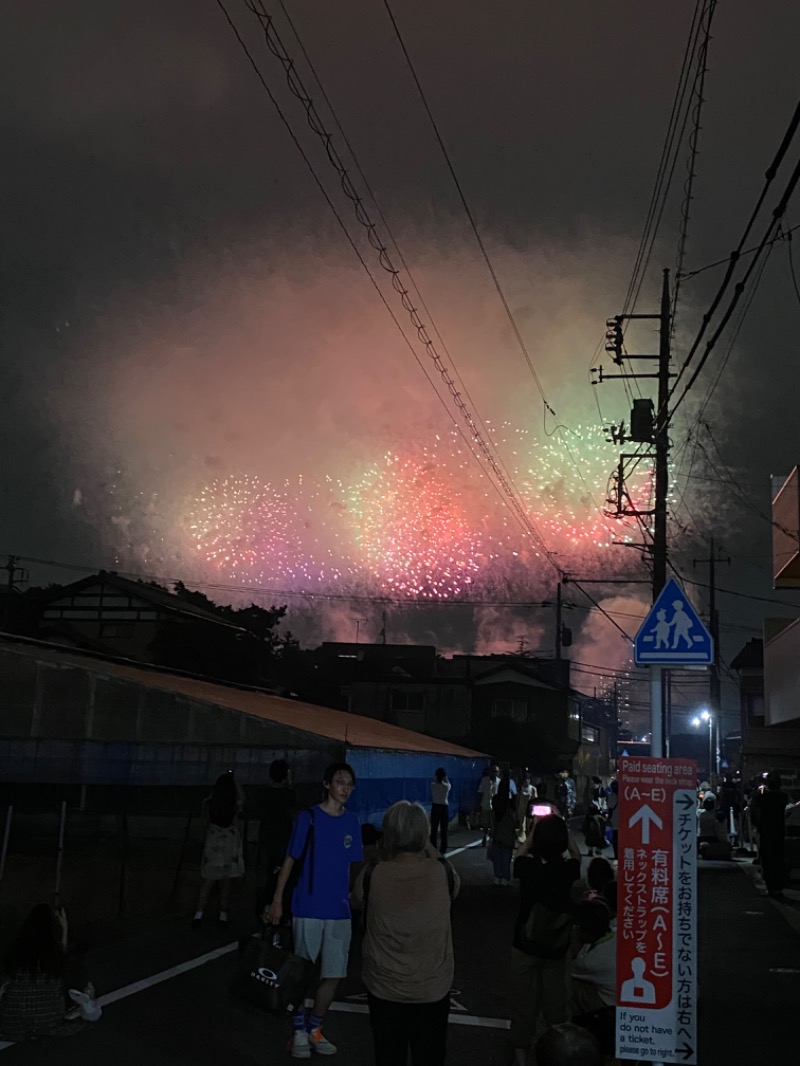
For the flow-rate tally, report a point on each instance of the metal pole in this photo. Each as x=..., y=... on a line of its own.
x=176, y=879
x=6, y=835
x=656, y=715
x=662, y=446
x=710, y=749
x=60, y=859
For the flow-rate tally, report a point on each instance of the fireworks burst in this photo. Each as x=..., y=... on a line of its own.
x=243, y=528
x=566, y=482
x=422, y=522
x=412, y=528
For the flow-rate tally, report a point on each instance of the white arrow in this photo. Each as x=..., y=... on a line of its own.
x=645, y=815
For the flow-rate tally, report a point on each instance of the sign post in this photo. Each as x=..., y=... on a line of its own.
x=671, y=635
x=656, y=1016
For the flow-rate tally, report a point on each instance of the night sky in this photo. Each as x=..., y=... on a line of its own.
x=179, y=303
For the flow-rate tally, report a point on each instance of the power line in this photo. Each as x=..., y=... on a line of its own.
x=295, y=84
x=666, y=166
x=783, y=235
x=735, y=255
x=602, y=610
x=788, y=235
x=468, y=212
x=694, y=141
x=381, y=215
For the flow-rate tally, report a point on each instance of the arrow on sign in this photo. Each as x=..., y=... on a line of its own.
x=686, y=1051
x=645, y=815
x=686, y=801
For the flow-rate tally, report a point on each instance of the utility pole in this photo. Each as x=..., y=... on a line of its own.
x=648, y=425
x=662, y=445
x=563, y=633
x=714, y=684
x=15, y=574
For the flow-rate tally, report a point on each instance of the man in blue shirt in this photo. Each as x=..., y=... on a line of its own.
x=326, y=840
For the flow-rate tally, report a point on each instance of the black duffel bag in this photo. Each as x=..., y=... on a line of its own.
x=270, y=976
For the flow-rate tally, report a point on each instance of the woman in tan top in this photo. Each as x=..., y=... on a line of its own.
x=408, y=946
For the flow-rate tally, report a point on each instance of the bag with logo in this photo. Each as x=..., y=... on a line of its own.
x=270, y=976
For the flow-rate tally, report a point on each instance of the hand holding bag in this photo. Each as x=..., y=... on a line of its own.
x=270, y=976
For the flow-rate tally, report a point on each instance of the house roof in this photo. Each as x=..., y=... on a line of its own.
x=162, y=599
x=354, y=730
x=751, y=656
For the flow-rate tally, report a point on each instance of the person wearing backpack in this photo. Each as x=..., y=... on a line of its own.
x=540, y=954
x=408, y=945
x=594, y=830
x=325, y=843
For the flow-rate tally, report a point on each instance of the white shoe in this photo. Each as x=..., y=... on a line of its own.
x=299, y=1045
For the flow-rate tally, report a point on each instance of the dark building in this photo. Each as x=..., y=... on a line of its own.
x=113, y=615
x=520, y=709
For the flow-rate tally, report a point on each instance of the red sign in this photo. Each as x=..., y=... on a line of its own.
x=656, y=919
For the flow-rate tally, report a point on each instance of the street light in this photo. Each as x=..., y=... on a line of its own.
x=713, y=756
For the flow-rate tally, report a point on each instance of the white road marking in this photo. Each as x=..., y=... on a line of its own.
x=457, y=851
x=454, y=1019
x=165, y=975
x=217, y=953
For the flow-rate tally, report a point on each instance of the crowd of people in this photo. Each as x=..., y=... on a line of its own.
x=403, y=886
x=317, y=863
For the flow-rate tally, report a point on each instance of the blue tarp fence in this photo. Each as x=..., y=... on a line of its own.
x=383, y=777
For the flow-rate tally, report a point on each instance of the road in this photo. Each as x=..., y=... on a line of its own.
x=750, y=982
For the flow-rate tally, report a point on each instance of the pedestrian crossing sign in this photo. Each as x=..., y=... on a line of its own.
x=673, y=634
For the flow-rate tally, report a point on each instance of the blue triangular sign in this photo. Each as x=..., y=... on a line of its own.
x=673, y=634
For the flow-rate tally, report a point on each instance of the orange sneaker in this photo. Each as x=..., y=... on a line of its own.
x=320, y=1043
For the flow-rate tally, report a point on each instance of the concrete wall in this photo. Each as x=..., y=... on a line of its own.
x=782, y=676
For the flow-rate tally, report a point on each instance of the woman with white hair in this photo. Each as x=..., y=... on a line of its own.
x=408, y=945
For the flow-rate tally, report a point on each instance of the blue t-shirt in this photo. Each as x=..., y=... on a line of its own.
x=337, y=843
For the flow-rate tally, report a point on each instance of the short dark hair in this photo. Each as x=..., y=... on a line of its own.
x=593, y=917
x=334, y=768
x=568, y=1045
x=278, y=770
x=599, y=873
x=440, y=774
x=550, y=838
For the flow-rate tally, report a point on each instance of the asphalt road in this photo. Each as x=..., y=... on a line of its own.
x=749, y=973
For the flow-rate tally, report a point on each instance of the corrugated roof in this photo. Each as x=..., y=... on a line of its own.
x=352, y=729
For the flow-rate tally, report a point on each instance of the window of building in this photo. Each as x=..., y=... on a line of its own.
x=516, y=710
x=117, y=629
x=414, y=720
x=407, y=700
x=590, y=734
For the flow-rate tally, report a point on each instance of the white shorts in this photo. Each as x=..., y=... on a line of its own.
x=326, y=939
